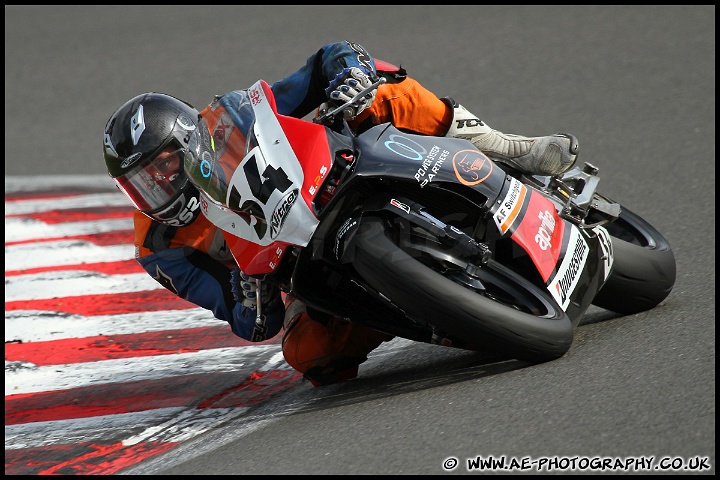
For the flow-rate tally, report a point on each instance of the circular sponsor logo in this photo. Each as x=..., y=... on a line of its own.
x=471, y=167
x=405, y=147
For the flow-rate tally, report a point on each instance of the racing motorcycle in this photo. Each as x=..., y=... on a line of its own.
x=421, y=237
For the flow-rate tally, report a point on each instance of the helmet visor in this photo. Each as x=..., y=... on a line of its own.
x=153, y=185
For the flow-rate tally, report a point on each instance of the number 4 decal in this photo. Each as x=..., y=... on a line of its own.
x=261, y=188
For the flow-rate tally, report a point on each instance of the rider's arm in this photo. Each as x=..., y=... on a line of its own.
x=196, y=277
x=199, y=279
x=303, y=91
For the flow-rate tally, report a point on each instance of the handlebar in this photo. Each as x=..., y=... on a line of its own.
x=330, y=114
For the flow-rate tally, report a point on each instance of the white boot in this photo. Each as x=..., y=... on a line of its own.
x=551, y=155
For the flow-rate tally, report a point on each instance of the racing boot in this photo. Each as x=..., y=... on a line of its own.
x=325, y=349
x=551, y=155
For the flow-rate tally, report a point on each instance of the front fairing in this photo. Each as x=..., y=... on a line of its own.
x=254, y=169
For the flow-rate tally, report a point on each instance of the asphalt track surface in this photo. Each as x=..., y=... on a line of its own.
x=635, y=84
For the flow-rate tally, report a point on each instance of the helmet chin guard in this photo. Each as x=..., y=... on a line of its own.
x=180, y=212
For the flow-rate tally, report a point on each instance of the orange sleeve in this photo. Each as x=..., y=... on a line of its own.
x=142, y=225
x=409, y=106
x=198, y=235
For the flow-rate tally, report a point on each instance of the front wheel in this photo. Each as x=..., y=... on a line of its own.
x=643, y=270
x=495, y=308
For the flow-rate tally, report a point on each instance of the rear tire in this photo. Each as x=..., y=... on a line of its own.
x=534, y=329
x=644, y=268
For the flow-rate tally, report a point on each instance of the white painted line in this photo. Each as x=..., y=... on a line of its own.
x=82, y=430
x=186, y=425
x=90, y=200
x=71, y=283
x=63, y=252
x=44, y=183
x=42, y=326
x=160, y=425
x=29, y=378
x=24, y=229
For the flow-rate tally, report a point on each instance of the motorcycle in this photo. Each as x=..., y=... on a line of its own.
x=421, y=237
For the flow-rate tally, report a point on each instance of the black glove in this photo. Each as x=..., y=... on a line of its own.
x=244, y=289
x=346, y=85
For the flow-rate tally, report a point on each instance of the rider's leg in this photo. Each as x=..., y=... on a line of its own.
x=411, y=107
x=549, y=155
x=326, y=349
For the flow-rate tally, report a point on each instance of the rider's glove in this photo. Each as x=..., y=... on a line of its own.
x=244, y=289
x=346, y=85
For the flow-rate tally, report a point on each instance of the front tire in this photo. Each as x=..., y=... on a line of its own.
x=510, y=315
x=644, y=268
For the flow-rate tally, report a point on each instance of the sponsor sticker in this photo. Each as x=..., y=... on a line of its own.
x=510, y=206
x=398, y=204
x=281, y=211
x=540, y=233
x=471, y=167
x=349, y=224
x=563, y=284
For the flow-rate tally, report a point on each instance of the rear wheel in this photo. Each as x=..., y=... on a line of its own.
x=643, y=270
x=492, y=306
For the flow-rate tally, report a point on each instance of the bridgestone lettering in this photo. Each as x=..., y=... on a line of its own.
x=570, y=270
x=577, y=261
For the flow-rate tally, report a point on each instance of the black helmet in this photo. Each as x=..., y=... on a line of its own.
x=144, y=146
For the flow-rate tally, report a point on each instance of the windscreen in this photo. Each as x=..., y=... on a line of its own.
x=218, y=145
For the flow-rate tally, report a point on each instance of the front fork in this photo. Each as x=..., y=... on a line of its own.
x=460, y=245
x=259, y=320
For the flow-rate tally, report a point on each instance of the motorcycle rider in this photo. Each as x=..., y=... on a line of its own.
x=143, y=145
